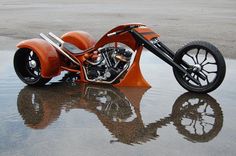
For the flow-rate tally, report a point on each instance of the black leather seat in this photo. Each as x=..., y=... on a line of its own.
x=71, y=48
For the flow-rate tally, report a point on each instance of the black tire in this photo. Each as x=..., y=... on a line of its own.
x=29, y=74
x=191, y=53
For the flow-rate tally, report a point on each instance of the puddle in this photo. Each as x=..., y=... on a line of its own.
x=83, y=119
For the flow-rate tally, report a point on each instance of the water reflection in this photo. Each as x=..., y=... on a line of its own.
x=197, y=117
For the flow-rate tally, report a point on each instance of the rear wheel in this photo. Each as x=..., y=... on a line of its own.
x=28, y=68
x=205, y=64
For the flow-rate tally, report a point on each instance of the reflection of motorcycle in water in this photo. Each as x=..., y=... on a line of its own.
x=198, y=117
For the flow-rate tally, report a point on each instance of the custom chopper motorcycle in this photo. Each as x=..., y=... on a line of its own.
x=114, y=59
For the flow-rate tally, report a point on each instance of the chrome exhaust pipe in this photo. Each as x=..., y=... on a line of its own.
x=56, y=38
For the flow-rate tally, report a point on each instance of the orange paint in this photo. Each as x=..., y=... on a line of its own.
x=134, y=76
x=80, y=39
x=48, y=56
x=147, y=33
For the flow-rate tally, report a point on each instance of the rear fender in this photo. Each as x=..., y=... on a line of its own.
x=47, y=54
x=81, y=39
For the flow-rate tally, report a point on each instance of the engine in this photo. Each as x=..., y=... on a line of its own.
x=112, y=62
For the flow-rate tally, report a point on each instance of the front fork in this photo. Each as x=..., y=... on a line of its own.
x=167, y=55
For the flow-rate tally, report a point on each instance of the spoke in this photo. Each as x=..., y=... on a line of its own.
x=199, y=81
x=206, y=77
x=204, y=58
x=27, y=78
x=28, y=67
x=206, y=107
x=209, y=72
x=32, y=74
x=194, y=127
x=34, y=56
x=191, y=58
x=210, y=115
x=203, y=128
x=201, y=102
x=195, y=77
x=207, y=123
x=196, y=56
x=36, y=73
x=31, y=55
x=37, y=68
x=189, y=123
x=209, y=63
x=187, y=79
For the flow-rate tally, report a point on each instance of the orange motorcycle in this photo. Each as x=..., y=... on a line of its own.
x=114, y=59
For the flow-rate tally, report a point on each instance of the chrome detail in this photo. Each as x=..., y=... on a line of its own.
x=155, y=41
x=107, y=82
x=121, y=58
x=197, y=67
x=107, y=74
x=106, y=59
x=116, y=64
x=56, y=37
x=95, y=63
x=111, y=34
x=32, y=64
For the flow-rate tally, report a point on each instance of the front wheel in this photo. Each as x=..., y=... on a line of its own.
x=27, y=67
x=204, y=62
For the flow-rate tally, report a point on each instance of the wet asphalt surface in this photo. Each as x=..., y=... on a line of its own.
x=84, y=119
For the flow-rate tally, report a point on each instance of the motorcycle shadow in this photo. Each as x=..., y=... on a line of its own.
x=198, y=117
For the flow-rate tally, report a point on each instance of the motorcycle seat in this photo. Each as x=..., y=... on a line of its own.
x=71, y=48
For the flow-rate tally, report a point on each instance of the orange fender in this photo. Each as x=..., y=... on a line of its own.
x=47, y=54
x=81, y=39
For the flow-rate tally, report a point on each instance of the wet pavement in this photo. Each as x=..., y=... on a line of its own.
x=86, y=119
